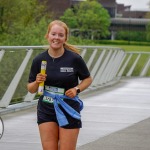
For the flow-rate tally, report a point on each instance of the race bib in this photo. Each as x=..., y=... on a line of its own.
x=52, y=90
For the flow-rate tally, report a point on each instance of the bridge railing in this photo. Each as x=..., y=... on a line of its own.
x=106, y=64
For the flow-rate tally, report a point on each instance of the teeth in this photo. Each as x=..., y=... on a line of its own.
x=55, y=42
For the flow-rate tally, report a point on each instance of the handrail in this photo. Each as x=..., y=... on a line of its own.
x=107, y=65
x=46, y=46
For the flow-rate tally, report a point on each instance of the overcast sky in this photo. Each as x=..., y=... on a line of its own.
x=136, y=4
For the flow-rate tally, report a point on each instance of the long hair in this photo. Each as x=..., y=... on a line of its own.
x=62, y=24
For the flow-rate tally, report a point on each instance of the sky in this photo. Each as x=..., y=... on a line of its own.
x=136, y=4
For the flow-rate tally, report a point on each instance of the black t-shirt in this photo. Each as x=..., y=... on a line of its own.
x=63, y=72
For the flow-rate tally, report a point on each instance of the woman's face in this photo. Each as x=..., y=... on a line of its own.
x=57, y=37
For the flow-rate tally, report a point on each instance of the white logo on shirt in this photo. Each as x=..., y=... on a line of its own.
x=66, y=69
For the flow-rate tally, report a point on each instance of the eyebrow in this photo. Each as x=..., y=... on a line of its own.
x=58, y=33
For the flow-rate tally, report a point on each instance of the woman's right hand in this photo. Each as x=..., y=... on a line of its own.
x=40, y=78
x=33, y=86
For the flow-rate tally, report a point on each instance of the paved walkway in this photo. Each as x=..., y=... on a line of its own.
x=114, y=118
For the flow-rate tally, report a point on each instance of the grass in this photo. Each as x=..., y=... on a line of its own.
x=125, y=45
x=134, y=48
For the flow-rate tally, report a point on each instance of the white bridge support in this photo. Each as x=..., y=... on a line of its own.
x=124, y=66
x=89, y=63
x=6, y=99
x=83, y=52
x=97, y=65
x=145, y=69
x=2, y=52
x=133, y=66
x=29, y=97
x=106, y=64
x=101, y=72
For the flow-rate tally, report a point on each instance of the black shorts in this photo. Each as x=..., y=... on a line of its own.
x=46, y=113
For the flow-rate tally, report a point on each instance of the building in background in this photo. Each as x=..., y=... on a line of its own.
x=57, y=7
x=110, y=5
x=126, y=12
x=122, y=17
x=115, y=10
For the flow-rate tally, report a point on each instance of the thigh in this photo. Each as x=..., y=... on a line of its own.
x=68, y=138
x=49, y=133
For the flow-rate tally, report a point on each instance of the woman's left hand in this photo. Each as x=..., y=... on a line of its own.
x=71, y=93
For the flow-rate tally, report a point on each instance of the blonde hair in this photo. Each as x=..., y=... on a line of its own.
x=62, y=24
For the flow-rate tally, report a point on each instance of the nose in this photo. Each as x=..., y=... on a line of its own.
x=56, y=36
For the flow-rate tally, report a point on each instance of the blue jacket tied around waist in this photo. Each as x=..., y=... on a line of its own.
x=58, y=99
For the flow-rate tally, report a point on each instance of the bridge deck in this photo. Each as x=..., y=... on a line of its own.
x=116, y=118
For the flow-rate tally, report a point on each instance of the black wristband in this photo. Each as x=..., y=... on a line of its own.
x=77, y=89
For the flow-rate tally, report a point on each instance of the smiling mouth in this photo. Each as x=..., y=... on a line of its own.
x=55, y=42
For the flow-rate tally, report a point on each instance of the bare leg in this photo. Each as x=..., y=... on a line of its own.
x=49, y=133
x=68, y=138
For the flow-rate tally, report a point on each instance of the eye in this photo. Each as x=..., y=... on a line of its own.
x=61, y=35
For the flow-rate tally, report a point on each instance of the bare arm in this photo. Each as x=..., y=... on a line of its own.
x=33, y=86
x=82, y=86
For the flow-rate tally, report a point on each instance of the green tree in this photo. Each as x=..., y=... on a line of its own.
x=18, y=13
x=148, y=32
x=89, y=17
x=131, y=36
x=21, y=21
x=70, y=18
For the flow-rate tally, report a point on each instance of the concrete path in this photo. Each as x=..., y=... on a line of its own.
x=114, y=118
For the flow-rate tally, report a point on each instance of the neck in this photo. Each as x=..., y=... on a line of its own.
x=56, y=53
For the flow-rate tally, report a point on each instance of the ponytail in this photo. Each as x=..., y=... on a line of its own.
x=71, y=48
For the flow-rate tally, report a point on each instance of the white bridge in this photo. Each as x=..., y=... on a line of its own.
x=106, y=64
x=116, y=117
